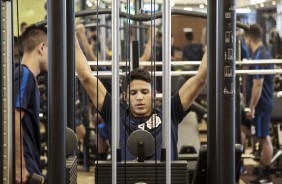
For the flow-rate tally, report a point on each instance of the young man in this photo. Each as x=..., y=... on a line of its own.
x=259, y=94
x=34, y=61
x=139, y=95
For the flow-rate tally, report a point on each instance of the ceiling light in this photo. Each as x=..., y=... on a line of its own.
x=273, y=3
x=261, y=5
x=188, y=9
x=202, y=6
x=89, y=4
x=243, y=10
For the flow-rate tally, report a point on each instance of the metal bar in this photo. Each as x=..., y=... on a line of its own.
x=262, y=72
x=187, y=73
x=1, y=96
x=71, y=65
x=135, y=54
x=115, y=88
x=8, y=81
x=102, y=33
x=167, y=86
x=238, y=97
x=142, y=17
x=56, y=91
x=259, y=62
x=225, y=63
x=211, y=95
x=103, y=25
x=238, y=112
x=181, y=63
x=137, y=4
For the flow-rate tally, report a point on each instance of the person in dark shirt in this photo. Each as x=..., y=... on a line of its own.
x=139, y=95
x=192, y=51
x=27, y=105
x=259, y=97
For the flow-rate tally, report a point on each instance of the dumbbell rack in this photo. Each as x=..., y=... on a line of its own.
x=149, y=172
x=6, y=94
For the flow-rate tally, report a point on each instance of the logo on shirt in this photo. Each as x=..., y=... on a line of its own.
x=154, y=122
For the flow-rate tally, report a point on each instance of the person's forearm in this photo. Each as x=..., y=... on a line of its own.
x=192, y=87
x=256, y=93
x=81, y=61
x=202, y=71
x=88, y=81
x=88, y=49
x=148, y=47
x=20, y=161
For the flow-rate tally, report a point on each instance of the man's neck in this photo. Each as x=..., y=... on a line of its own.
x=31, y=62
x=255, y=46
x=191, y=42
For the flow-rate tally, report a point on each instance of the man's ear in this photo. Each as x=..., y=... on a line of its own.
x=41, y=47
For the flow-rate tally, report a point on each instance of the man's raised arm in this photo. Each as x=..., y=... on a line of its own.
x=192, y=87
x=94, y=88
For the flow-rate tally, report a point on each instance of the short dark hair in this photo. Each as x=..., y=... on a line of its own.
x=254, y=32
x=138, y=74
x=23, y=24
x=189, y=36
x=32, y=37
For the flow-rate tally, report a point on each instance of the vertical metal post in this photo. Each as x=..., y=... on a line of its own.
x=238, y=111
x=279, y=17
x=137, y=8
x=1, y=96
x=167, y=85
x=135, y=54
x=211, y=94
x=103, y=38
x=139, y=32
x=238, y=115
x=226, y=90
x=115, y=87
x=57, y=91
x=71, y=64
x=8, y=81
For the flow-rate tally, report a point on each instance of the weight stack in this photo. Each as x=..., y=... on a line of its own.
x=71, y=170
x=149, y=172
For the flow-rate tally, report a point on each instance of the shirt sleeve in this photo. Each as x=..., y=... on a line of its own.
x=23, y=89
x=258, y=67
x=106, y=111
x=177, y=112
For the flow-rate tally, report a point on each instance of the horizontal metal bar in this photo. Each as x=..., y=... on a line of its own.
x=110, y=27
x=259, y=72
x=259, y=62
x=141, y=17
x=181, y=63
x=108, y=74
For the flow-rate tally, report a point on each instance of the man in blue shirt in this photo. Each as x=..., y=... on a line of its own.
x=259, y=94
x=139, y=95
x=192, y=51
x=27, y=103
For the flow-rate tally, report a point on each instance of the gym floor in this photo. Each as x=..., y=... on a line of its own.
x=85, y=177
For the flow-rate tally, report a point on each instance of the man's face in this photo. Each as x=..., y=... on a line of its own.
x=140, y=95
